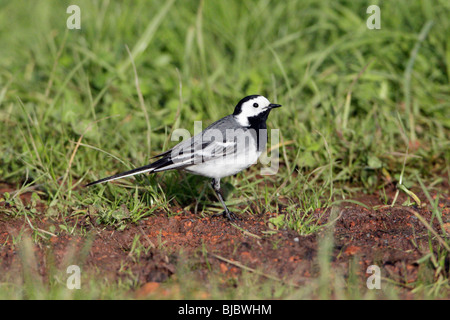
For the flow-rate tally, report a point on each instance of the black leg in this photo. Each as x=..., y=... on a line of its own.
x=215, y=183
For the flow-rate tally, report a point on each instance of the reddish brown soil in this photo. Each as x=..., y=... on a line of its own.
x=392, y=238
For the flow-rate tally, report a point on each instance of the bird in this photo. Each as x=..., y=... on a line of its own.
x=225, y=148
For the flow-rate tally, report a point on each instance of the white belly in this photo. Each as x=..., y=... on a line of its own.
x=226, y=166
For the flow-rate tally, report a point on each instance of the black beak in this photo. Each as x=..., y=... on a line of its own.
x=274, y=105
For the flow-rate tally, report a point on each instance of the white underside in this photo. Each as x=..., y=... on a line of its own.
x=225, y=166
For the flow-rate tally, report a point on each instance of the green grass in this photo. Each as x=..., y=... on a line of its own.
x=355, y=100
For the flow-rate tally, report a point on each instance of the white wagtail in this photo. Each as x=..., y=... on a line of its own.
x=225, y=148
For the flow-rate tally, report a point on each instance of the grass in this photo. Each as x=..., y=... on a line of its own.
x=361, y=108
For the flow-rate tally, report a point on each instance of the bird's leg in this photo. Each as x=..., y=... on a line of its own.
x=215, y=183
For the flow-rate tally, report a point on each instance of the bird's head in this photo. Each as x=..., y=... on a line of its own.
x=253, y=107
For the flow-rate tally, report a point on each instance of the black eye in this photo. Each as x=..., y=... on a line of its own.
x=255, y=105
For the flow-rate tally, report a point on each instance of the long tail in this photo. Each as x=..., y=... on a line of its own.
x=158, y=165
x=147, y=168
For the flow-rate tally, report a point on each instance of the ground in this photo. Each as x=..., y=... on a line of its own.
x=393, y=238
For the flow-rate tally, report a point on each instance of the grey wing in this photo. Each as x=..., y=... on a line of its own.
x=199, y=149
x=223, y=138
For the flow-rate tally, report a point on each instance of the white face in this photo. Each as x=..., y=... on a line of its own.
x=252, y=108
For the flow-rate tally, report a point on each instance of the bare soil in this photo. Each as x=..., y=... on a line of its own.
x=392, y=238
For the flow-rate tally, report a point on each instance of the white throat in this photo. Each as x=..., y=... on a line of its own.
x=242, y=119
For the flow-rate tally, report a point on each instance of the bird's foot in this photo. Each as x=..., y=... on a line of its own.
x=227, y=214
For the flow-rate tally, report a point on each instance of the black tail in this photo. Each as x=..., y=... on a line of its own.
x=147, y=168
x=158, y=165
